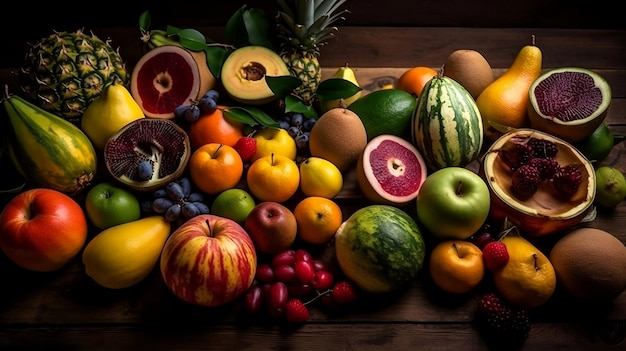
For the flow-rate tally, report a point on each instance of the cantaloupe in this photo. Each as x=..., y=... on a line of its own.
x=590, y=264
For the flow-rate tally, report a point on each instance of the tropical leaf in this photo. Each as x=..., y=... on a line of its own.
x=336, y=88
x=251, y=116
x=282, y=86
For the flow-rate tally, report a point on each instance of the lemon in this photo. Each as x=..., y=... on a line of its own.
x=234, y=204
x=320, y=177
x=123, y=255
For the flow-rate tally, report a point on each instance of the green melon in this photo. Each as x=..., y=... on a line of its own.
x=380, y=248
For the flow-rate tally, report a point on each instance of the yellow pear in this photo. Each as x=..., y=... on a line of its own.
x=123, y=255
x=503, y=103
x=346, y=73
x=528, y=279
x=108, y=113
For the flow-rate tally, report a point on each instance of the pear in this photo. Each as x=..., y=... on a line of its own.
x=108, y=113
x=528, y=279
x=346, y=73
x=123, y=255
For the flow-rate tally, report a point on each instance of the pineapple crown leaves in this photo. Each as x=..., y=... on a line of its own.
x=250, y=26
x=306, y=24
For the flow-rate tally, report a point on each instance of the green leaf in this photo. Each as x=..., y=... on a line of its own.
x=259, y=27
x=282, y=86
x=215, y=57
x=171, y=30
x=295, y=105
x=192, y=39
x=236, y=33
x=336, y=88
x=145, y=20
x=251, y=116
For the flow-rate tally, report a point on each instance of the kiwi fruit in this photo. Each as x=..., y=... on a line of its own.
x=338, y=136
x=590, y=264
x=470, y=69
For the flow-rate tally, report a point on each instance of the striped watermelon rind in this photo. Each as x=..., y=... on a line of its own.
x=380, y=248
x=447, y=126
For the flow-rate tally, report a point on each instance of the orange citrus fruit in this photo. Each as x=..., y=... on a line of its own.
x=273, y=178
x=456, y=266
x=414, y=79
x=215, y=167
x=215, y=128
x=318, y=219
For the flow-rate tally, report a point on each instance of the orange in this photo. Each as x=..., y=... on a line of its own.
x=273, y=178
x=414, y=79
x=318, y=219
x=456, y=266
x=215, y=167
x=215, y=128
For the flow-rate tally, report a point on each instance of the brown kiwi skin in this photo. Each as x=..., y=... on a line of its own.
x=470, y=69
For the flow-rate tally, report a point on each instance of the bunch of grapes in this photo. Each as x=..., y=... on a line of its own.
x=206, y=105
x=177, y=201
x=283, y=287
x=299, y=127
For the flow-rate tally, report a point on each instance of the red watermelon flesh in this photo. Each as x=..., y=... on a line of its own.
x=391, y=170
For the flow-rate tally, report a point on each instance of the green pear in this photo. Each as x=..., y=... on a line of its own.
x=346, y=73
x=610, y=186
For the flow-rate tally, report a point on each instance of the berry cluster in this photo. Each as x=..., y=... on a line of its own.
x=206, y=105
x=532, y=161
x=293, y=279
x=177, y=201
x=299, y=128
x=501, y=324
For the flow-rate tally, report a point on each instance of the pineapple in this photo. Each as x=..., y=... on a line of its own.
x=66, y=71
x=304, y=27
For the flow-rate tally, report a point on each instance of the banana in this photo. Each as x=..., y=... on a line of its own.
x=155, y=38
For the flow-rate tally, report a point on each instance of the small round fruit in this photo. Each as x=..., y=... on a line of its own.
x=274, y=141
x=161, y=141
x=273, y=178
x=318, y=219
x=107, y=205
x=456, y=266
x=590, y=264
x=320, y=177
x=214, y=128
x=215, y=167
x=610, y=186
x=598, y=145
x=414, y=79
x=233, y=203
x=470, y=69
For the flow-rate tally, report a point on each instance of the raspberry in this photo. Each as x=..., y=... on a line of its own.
x=542, y=148
x=515, y=152
x=246, y=147
x=495, y=255
x=296, y=311
x=547, y=167
x=567, y=180
x=500, y=322
x=343, y=293
x=525, y=181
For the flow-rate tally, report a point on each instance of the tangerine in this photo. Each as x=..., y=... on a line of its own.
x=215, y=128
x=215, y=167
x=273, y=178
x=318, y=219
x=414, y=79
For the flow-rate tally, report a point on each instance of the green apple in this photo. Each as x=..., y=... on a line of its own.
x=610, y=186
x=233, y=204
x=453, y=203
x=107, y=205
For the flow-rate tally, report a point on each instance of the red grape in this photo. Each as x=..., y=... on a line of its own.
x=304, y=271
x=287, y=257
x=285, y=273
x=277, y=299
x=322, y=280
x=265, y=273
x=254, y=299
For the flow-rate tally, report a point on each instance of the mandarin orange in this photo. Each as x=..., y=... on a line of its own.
x=215, y=128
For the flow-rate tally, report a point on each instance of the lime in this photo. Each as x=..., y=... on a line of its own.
x=233, y=204
x=598, y=145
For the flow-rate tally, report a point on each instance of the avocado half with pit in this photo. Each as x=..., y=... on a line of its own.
x=569, y=102
x=244, y=71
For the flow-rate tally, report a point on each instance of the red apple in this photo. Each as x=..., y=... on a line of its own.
x=42, y=229
x=209, y=261
x=272, y=227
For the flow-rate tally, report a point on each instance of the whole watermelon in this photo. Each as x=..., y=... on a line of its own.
x=380, y=248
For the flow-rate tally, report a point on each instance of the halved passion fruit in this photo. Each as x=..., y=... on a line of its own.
x=569, y=103
x=147, y=153
x=551, y=208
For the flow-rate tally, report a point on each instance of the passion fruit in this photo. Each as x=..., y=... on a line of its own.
x=159, y=144
x=547, y=211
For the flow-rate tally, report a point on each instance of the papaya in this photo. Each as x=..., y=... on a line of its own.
x=47, y=150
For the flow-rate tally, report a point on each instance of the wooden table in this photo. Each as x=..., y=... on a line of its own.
x=65, y=310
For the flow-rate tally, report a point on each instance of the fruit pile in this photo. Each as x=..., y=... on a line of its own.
x=223, y=166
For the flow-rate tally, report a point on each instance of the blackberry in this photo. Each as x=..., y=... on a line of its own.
x=525, y=181
x=567, y=180
x=547, y=167
x=542, y=148
x=515, y=153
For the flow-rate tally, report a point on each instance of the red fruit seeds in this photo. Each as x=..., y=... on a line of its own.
x=296, y=311
x=246, y=147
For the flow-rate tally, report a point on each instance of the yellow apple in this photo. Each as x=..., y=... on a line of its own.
x=273, y=178
x=456, y=266
x=274, y=140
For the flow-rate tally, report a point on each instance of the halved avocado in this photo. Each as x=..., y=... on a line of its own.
x=243, y=74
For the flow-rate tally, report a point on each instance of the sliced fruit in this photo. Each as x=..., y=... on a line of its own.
x=160, y=142
x=390, y=171
x=244, y=70
x=546, y=211
x=164, y=78
x=569, y=103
